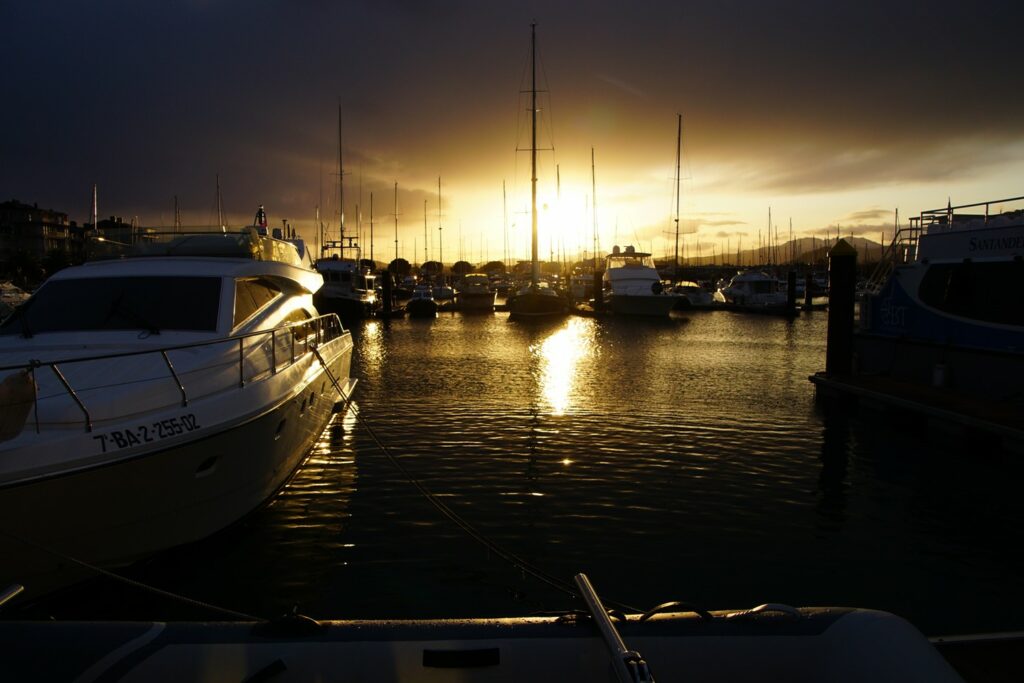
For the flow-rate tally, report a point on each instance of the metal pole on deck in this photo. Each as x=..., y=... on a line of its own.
x=842, y=281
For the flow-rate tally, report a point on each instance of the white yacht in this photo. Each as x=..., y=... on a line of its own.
x=753, y=288
x=692, y=296
x=474, y=293
x=152, y=401
x=632, y=285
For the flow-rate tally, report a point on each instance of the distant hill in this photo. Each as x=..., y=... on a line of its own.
x=801, y=251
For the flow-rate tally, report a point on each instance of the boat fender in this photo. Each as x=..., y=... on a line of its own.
x=656, y=287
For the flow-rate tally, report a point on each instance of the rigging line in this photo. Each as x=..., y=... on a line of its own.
x=131, y=582
x=450, y=514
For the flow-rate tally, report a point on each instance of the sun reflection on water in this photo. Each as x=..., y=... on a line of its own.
x=560, y=355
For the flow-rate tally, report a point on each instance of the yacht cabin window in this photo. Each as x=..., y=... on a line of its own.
x=145, y=303
x=252, y=294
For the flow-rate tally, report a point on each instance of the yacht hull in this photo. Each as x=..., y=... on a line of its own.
x=638, y=304
x=114, y=512
x=537, y=305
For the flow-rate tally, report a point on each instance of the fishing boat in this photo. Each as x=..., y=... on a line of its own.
x=153, y=400
x=942, y=309
x=474, y=294
x=632, y=285
x=672, y=642
x=535, y=300
x=422, y=304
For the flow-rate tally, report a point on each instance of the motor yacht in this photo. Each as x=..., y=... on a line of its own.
x=474, y=293
x=422, y=303
x=632, y=285
x=349, y=289
x=151, y=401
x=692, y=296
x=752, y=288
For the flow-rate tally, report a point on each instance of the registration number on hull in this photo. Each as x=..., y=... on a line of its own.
x=136, y=436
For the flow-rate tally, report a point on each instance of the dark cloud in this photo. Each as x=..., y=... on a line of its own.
x=152, y=100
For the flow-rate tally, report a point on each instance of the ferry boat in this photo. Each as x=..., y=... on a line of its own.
x=632, y=284
x=943, y=308
x=151, y=401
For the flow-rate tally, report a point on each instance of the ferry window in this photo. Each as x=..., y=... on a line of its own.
x=252, y=294
x=980, y=291
x=120, y=303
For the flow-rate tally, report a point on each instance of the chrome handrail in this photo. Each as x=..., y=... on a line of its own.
x=326, y=327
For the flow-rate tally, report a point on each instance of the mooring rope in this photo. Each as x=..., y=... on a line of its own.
x=131, y=582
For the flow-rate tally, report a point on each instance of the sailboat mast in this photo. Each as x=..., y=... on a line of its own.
x=371, y=227
x=341, y=185
x=425, y=238
x=535, y=275
x=220, y=205
x=504, y=213
x=440, y=242
x=593, y=202
x=679, y=150
x=396, y=220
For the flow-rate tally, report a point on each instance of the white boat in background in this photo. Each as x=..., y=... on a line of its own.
x=692, y=296
x=422, y=304
x=474, y=293
x=152, y=401
x=752, y=288
x=632, y=285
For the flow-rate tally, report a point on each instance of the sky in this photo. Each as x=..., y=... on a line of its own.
x=830, y=115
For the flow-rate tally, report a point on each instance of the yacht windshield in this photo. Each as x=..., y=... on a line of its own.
x=119, y=303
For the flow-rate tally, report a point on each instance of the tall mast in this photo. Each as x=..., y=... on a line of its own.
x=535, y=275
x=679, y=152
x=396, y=220
x=341, y=185
x=440, y=243
x=371, y=227
x=593, y=201
x=425, y=239
x=504, y=212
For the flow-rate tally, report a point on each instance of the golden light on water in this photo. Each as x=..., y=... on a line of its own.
x=560, y=355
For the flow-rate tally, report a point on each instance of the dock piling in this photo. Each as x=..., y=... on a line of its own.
x=842, y=281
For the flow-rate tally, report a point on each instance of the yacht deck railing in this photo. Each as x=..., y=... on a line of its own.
x=283, y=346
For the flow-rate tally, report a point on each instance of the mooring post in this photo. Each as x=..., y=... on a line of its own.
x=598, y=293
x=808, y=289
x=389, y=302
x=842, y=281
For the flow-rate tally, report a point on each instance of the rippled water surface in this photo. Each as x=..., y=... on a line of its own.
x=684, y=459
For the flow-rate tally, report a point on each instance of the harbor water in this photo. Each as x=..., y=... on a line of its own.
x=684, y=459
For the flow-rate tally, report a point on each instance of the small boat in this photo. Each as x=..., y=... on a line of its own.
x=753, y=289
x=151, y=401
x=690, y=295
x=671, y=642
x=422, y=303
x=632, y=285
x=474, y=293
